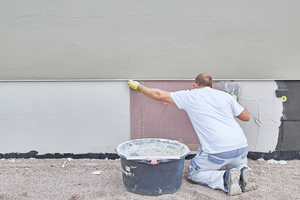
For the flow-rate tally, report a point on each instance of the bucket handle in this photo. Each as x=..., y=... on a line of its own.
x=154, y=161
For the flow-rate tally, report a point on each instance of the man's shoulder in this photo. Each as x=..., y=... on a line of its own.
x=181, y=92
x=222, y=92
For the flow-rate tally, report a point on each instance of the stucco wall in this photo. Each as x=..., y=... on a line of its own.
x=63, y=117
x=170, y=39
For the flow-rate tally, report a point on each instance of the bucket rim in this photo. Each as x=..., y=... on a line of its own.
x=177, y=157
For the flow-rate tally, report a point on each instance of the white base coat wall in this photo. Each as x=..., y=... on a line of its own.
x=259, y=98
x=63, y=117
x=84, y=117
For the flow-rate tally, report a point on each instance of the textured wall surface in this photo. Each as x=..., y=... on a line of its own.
x=170, y=39
x=63, y=117
x=262, y=131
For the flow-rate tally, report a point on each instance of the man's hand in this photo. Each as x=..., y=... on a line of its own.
x=236, y=98
x=134, y=85
x=153, y=93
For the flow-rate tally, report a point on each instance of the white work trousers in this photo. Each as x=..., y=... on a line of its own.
x=205, y=168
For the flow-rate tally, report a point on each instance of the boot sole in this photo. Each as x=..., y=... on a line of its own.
x=247, y=181
x=234, y=187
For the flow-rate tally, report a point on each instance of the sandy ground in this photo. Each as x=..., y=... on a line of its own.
x=74, y=179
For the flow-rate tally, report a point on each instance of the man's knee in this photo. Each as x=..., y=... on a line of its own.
x=197, y=176
x=191, y=172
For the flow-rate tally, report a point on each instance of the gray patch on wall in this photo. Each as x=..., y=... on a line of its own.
x=289, y=134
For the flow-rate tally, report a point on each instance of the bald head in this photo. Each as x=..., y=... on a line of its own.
x=203, y=80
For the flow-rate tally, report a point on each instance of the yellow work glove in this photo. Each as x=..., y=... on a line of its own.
x=236, y=98
x=134, y=85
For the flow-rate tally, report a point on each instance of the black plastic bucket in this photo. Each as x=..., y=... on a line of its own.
x=152, y=166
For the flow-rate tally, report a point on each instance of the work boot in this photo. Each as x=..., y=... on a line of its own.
x=231, y=182
x=246, y=180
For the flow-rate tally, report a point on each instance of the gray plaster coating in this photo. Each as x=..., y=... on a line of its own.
x=169, y=39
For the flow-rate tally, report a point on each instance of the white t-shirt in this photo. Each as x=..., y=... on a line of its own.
x=212, y=114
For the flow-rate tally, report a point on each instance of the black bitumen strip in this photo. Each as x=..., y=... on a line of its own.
x=276, y=155
x=34, y=154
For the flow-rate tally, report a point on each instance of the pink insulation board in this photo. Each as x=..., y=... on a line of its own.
x=155, y=119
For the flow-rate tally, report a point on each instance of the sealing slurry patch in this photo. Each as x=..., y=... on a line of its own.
x=289, y=136
x=74, y=179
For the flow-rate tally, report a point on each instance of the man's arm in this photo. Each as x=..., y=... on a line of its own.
x=244, y=116
x=157, y=94
x=153, y=93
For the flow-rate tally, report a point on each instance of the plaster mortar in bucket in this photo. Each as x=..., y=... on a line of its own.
x=152, y=166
